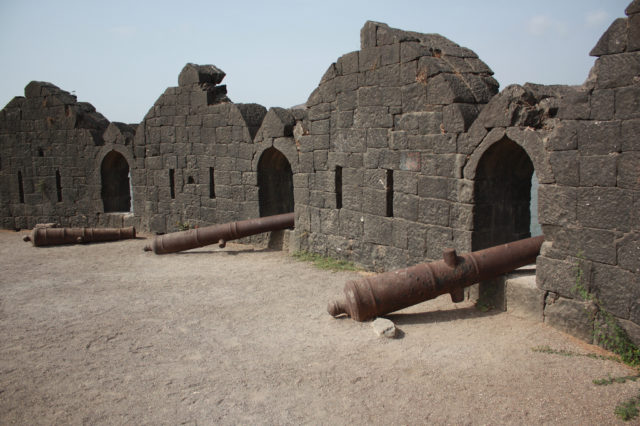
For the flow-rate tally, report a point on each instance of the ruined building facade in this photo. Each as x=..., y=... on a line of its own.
x=405, y=148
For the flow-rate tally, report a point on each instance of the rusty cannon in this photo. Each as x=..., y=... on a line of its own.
x=199, y=237
x=391, y=291
x=47, y=236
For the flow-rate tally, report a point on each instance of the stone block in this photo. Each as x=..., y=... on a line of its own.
x=399, y=234
x=398, y=139
x=604, y=208
x=377, y=230
x=405, y=206
x=433, y=212
x=575, y=105
x=192, y=74
x=366, y=117
x=598, y=170
x=406, y=182
x=438, y=240
x=561, y=276
x=329, y=222
x=408, y=161
x=461, y=216
x=457, y=118
x=633, y=34
x=445, y=89
x=599, y=137
x=414, y=97
x=602, y=104
x=571, y=316
x=614, y=40
x=565, y=136
x=565, y=167
x=347, y=101
x=433, y=187
x=524, y=299
x=629, y=170
x=377, y=138
x=628, y=248
x=627, y=102
x=374, y=201
x=594, y=244
x=351, y=223
x=557, y=205
x=615, y=288
x=385, y=76
x=348, y=63
x=350, y=140
x=617, y=70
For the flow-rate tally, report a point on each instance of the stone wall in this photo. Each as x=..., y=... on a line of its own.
x=380, y=174
x=591, y=212
x=405, y=148
x=51, y=152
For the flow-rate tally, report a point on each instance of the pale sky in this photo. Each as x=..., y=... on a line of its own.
x=121, y=55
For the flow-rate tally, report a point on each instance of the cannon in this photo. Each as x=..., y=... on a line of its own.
x=391, y=291
x=199, y=237
x=48, y=236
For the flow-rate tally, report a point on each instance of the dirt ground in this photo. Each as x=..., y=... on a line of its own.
x=110, y=334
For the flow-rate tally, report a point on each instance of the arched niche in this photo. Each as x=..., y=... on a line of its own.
x=116, y=192
x=502, y=188
x=275, y=183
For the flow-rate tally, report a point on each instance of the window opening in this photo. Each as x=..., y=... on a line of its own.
x=389, y=193
x=212, y=187
x=172, y=182
x=338, y=187
x=58, y=185
x=20, y=188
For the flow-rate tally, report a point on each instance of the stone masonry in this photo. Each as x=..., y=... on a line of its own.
x=405, y=148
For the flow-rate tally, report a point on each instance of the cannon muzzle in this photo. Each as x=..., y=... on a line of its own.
x=200, y=237
x=46, y=236
x=391, y=291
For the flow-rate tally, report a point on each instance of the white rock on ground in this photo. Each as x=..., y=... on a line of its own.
x=384, y=328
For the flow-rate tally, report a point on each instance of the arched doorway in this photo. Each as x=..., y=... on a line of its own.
x=503, y=191
x=116, y=195
x=275, y=183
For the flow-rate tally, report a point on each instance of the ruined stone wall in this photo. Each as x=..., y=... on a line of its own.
x=403, y=150
x=195, y=151
x=51, y=149
x=591, y=212
x=380, y=179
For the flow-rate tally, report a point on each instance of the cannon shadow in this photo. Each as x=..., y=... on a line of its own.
x=441, y=315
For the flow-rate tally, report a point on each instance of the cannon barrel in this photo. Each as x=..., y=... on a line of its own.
x=199, y=237
x=391, y=291
x=43, y=236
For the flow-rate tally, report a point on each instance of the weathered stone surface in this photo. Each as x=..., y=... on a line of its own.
x=384, y=328
x=458, y=117
x=617, y=70
x=628, y=249
x=561, y=276
x=571, y=316
x=605, y=208
x=633, y=35
x=599, y=170
x=557, y=205
x=614, y=40
x=633, y=8
x=616, y=289
x=524, y=299
x=197, y=74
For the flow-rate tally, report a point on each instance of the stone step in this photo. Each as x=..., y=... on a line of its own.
x=523, y=298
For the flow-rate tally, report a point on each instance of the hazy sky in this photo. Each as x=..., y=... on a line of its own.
x=121, y=55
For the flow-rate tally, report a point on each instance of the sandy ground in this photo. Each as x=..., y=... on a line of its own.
x=109, y=334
